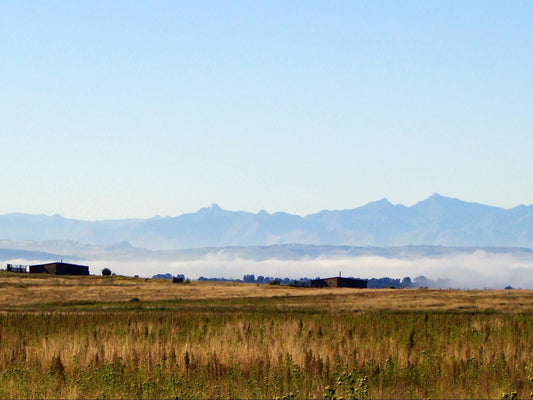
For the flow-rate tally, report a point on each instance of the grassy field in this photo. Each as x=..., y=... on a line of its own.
x=95, y=337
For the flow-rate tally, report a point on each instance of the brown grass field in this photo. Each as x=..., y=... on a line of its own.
x=27, y=292
x=121, y=337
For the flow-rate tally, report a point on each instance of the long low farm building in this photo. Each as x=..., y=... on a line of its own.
x=59, y=268
x=339, y=282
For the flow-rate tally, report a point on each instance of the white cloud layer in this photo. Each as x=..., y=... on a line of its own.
x=476, y=270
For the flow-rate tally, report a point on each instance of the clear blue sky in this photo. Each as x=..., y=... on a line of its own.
x=114, y=109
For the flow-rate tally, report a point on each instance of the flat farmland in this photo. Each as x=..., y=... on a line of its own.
x=121, y=337
x=40, y=292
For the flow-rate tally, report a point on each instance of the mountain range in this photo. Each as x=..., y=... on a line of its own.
x=436, y=221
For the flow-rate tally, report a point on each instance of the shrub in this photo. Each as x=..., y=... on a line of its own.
x=106, y=272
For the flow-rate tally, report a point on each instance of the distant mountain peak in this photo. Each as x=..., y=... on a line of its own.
x=213, y=208
x=439, y=197
x=439, y=200
x=384, y=201
x=436, y=199
x=378, y=204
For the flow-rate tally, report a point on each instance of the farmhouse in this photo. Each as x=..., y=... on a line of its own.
x=59, y=268
x=339, y=282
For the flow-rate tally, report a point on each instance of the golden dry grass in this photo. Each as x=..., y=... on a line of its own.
x=82, y=337
x=20, y=291
x=258, y=354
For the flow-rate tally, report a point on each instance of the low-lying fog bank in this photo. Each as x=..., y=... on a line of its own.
x=477, y=270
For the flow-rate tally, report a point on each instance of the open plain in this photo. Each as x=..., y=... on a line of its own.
x=121, y=337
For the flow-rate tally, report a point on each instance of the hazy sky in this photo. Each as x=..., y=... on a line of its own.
x=112, y=109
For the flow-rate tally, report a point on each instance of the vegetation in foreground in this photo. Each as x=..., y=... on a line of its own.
x=264, y=348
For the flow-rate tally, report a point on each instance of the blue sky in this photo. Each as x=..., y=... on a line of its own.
x=115, y=109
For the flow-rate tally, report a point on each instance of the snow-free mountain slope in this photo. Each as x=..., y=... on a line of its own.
x=437, y=220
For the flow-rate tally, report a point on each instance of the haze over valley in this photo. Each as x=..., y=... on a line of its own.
x=458, y=243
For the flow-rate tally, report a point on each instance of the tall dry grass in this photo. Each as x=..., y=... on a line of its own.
x=260, y=354
x=82, y=337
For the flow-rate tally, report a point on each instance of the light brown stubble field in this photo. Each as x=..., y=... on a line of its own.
x=23, y=291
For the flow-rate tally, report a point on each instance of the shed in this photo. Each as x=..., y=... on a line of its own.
x=59, y=268
x=339, y=282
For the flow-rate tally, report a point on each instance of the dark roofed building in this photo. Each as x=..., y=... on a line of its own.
x=339, y=282
x=59, y=268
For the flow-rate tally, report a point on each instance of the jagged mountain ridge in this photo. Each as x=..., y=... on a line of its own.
x=437, y=220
